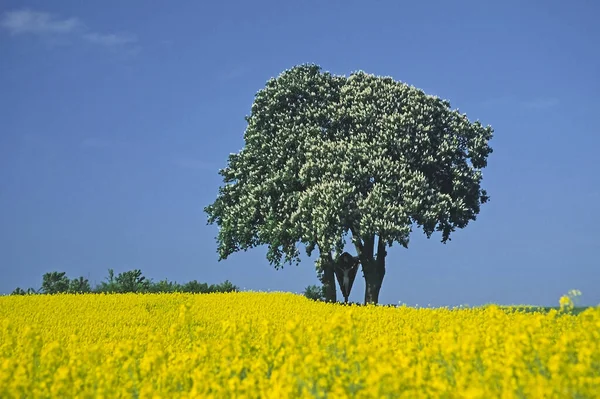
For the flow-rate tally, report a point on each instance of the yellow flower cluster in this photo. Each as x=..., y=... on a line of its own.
x=279, y=345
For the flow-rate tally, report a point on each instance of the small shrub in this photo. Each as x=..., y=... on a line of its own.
x=314, y=292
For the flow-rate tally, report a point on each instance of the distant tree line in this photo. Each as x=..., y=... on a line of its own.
x=129, y=281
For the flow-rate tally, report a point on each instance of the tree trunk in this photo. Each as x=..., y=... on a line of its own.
x=327, y=277
x=374, y=271
x=373, y=266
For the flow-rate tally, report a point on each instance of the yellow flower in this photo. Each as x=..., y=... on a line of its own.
x=566, y=303
x=278, y=345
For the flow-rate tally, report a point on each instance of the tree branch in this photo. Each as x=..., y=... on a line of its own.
x=357, y=242
x=381, y=252
x=369, y=247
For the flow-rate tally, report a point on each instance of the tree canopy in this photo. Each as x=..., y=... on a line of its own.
x=328, y=157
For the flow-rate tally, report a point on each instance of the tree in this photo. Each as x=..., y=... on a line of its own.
x=328, y=158
x=195, y=287
x=55, y=283
x=108, y=286
x=164, y=286
x=132, y=281
x=225, y=286
x=79, y=286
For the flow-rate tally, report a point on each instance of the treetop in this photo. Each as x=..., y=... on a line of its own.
x=329, y=155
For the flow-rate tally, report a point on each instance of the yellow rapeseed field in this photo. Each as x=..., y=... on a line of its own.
x=278, y=345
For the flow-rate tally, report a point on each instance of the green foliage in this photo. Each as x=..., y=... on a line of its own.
x=110, y=285
x=225, y=286
x=329, y=156
x=314, y=292
x=55, y=283
x=132, y=281
x=129, y=281
x=164, y=286
x=79, y=286
x=259, y=201
x=195, y=287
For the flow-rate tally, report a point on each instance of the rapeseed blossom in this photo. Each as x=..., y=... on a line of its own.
x=281, y=345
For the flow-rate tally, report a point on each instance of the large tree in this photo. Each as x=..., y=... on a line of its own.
x=328, y=158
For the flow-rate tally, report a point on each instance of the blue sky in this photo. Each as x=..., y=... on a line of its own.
x=115, y=117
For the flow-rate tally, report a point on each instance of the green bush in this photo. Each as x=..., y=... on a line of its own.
x=314, y=292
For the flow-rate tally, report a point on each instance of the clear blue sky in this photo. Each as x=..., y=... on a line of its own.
x=115, y=117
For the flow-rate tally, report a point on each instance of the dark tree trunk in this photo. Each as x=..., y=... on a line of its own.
x=374, y=271
x=373, y=266
x=327, y=277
